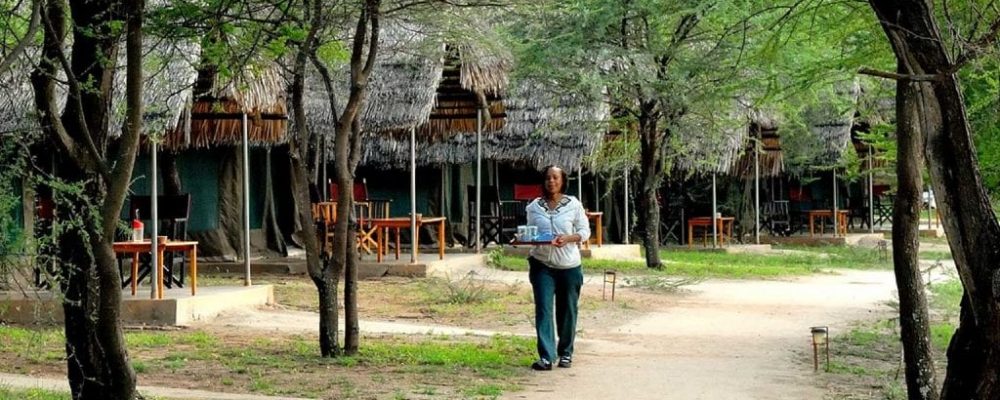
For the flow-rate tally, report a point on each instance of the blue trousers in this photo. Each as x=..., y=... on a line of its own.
x=561, y=286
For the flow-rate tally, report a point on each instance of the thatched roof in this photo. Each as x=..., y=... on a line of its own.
x=17, y=98
x=709, y=143
x=420, y=82
x=542, y=127
x=763, y=129
x=216, y=119
x=168, y=73
x=401, y=88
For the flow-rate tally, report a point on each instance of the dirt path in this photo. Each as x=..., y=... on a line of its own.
x=721, y=340
x=725, y=340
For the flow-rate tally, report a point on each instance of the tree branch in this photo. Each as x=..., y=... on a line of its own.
x=900, y=77
x=36, y=10
x=978, y=48
x=92, y=153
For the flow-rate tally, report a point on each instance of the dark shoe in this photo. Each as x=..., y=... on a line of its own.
x=565, y=362
x=542, y=365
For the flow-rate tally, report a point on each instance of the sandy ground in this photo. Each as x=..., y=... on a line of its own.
x=724, y=340
x=719, y=340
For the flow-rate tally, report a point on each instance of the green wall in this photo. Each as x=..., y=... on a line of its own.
x=200, y=172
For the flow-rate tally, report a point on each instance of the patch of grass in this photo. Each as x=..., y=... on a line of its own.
x=148, y=339
x=717, y=264
x=140, y=367
x=837, y=367
x=491, y=391
x=941, y=334
x=32, y=394
x=934, y=255
x=35, y=346
x=946, y=298
x=242, y=364
x=502, y=354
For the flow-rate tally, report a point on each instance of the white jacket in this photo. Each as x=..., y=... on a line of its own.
x=567, y=218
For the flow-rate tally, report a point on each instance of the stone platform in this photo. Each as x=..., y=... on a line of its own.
x=177, y=307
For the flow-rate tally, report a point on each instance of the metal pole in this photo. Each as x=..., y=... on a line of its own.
x=414, y=237
x=579, y=183
x=324, y=185
x=715, y=213
x=479, y=166
x=246, y=202
x=756, y=192
x=627, y=215
x=871, y=194
x=154, y=214
x=597, y=193
x=836, y=219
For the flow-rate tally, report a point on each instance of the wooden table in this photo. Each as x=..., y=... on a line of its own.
x=721, y=222
x=398, y=223
x=839, y=227
x=597, y=216
x=135, y=248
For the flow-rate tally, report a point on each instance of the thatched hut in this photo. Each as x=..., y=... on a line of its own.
x=541, y=127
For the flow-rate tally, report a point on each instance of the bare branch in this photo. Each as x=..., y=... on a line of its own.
x=900, y=77
x=978, y=48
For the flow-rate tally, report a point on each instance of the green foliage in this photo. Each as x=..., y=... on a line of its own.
x=11, y=175
x=32, y=394
x=981, y=83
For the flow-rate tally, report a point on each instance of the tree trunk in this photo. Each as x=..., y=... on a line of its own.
x=324, y=275
x=969, y=222
x=329, y=341
x=352, y=330
x=652, y=177
x=97, y=361
x=913, y=318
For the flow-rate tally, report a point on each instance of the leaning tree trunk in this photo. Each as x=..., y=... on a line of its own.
x=969, y=222
x=651, y=159
x=913, y=318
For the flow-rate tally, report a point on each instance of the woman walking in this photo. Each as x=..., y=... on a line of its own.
x=555, y=273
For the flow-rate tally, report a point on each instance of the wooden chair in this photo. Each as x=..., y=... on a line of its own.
x=512, y=214
x=377, y=209
x=173, y=212
x=325, y=215
x=490, y=217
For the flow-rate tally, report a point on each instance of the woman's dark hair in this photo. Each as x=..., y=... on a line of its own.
x=562, y=173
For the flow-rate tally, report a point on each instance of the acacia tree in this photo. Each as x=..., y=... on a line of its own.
x=931, y=104
x=97, y=361
x=326, y=266
x=660, y=62
x=320, y=24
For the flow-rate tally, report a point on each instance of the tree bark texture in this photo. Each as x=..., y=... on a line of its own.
x=651, y=156
x=97, y=361
x=972, y=229
x=913, y=318
x=323, y=271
